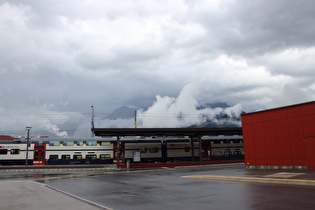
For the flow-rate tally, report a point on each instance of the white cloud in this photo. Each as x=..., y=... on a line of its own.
x=296, y=62
x=182, y=111
x=289, y=95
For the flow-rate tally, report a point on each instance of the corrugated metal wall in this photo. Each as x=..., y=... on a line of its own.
x=280, y=138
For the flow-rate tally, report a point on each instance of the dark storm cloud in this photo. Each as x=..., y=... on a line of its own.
x=60, y=57
x=252, y=28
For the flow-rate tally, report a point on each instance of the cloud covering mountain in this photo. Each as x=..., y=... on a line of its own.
x=182, y=111
x=60, y=57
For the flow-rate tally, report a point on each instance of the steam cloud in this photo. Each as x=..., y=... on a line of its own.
x=52, y=128
x=42, y=119
x=182, y=111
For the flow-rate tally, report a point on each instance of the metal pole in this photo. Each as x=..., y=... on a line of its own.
x=136, y=119
x=192, y=149
x=27, y=143
x=128, y=165
x=200, y=150
x=92, y=121
x=118, y=152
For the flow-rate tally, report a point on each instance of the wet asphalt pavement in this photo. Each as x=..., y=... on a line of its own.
x=164, y=188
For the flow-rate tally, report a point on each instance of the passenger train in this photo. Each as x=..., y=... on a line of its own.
x=96, y=150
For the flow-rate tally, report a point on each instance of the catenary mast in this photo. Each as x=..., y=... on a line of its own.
x=92, y=121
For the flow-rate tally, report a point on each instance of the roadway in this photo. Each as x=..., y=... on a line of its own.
x=227, y=186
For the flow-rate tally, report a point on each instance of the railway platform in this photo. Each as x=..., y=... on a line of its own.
x=47, y=167
x=252, y=189
x=114, y=166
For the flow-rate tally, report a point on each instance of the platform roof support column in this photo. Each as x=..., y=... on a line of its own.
x=118, y=152
x=200, y=149
x=192, y=149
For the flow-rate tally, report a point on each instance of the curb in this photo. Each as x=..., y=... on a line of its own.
x=251, y=179
x=58, y=167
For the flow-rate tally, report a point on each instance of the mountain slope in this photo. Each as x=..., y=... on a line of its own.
x=123, y=112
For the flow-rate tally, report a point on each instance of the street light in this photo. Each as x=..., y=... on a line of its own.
x=92, y=121
x=27, y=143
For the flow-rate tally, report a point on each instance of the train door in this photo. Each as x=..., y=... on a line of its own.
x=121, y=153
x=39, y=154
x=206, y=150
x=164, y=151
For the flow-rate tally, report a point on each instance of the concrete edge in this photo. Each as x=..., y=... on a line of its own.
x=255, y=179
x=110, y=166
x=97, y=205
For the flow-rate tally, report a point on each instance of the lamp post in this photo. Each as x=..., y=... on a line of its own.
x=118, y=152
x=27, y=143
x=92, y=121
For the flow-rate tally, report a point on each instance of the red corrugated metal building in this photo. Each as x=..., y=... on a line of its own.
x=280, y=138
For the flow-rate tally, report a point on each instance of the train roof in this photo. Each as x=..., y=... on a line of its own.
x=167, y=131
x=129, y=139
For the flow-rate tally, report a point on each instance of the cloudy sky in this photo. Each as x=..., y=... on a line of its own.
x=60, y=57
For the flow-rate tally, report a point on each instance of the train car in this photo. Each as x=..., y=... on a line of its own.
x=180, y=149
x=169, y=149
x=13, y=152
x=224, y=147
x=56, y=151
x=78, y=151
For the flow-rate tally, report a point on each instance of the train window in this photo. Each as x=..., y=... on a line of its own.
x=90, y=157
x=79, y=143
x=42, y=155
x=142, y=149
x=187, y=149
x=54, y=143
x=65, y=157
x=53, y=157
x=36, y=154
x=237, y=153
x=105, y=143
x=154, y=150
x=3, y=151
x=68, y=143
x=105, y=156
x=77, y=157
x=91, y=143
x=15, y=151
x=227, y=153
x=217, y=154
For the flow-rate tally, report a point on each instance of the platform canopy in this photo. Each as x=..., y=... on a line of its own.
x=167, y=131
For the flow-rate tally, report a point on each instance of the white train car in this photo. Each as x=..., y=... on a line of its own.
x=224, y=147
x=69, y=151
x=53, y=151
x=12, y=152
